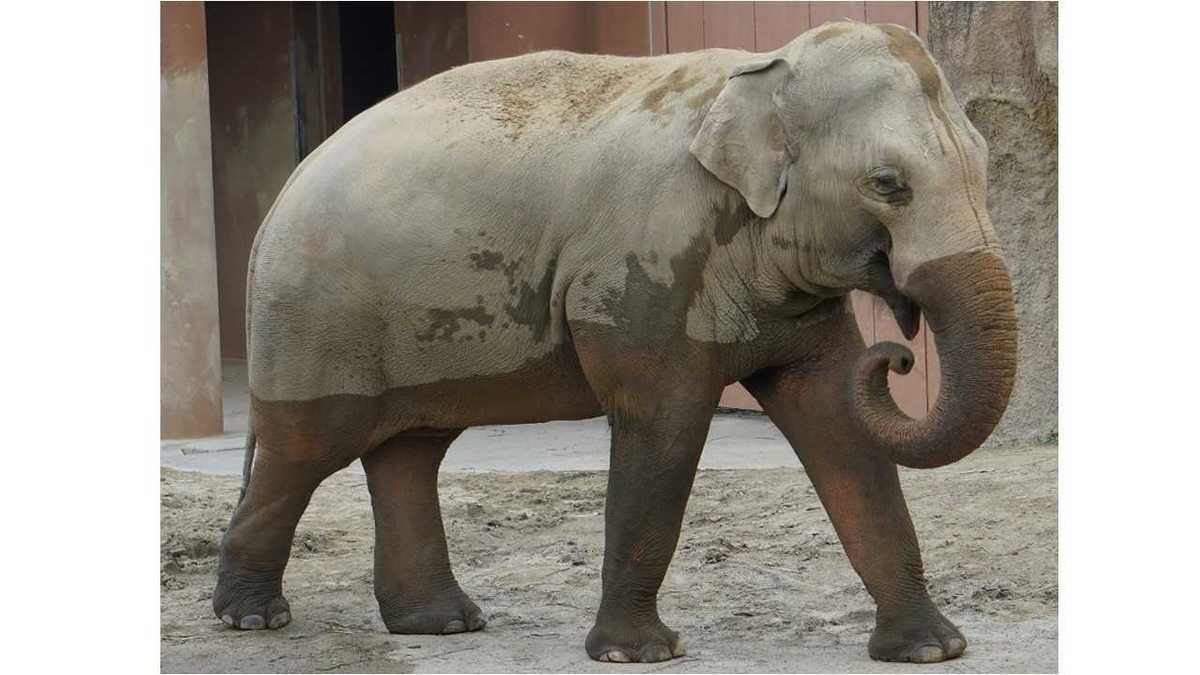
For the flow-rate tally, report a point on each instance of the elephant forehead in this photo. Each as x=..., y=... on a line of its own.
x=908, y=50
x=905, y=48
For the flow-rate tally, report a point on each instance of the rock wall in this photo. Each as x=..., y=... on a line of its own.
x=1002, y=62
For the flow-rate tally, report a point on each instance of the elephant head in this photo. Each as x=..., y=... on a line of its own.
x=851, y=148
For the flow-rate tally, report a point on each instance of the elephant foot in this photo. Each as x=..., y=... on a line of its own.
x=250, y=606
x=922, y=636
x=617, y=643
x=453, y=613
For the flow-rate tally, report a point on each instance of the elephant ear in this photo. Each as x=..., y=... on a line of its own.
x=742, y=141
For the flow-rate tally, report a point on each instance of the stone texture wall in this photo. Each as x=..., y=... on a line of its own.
x=1002, y=61
x=190, y=350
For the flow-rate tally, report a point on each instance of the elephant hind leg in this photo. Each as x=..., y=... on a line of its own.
x=416, y=590
x=299, y=445
x=256, y=547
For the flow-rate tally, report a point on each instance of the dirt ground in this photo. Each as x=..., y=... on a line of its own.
x=759, y=582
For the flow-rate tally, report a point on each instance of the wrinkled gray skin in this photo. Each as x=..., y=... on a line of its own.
x=558, y=236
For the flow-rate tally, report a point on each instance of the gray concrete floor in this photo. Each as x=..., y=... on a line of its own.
x=736, y=440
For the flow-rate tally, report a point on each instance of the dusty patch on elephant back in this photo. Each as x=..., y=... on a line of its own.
x=707, y=96
x=590, y=93
x=675, y=83
x=551, y=87
x=514, y=109
x=831, y=31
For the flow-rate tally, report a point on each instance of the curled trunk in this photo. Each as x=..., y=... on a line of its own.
x=967, y=300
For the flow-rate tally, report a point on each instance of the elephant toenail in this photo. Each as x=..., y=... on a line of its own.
x=476, y=622
x=280, y=620
x=654, y=653
x=227, y=620
x=615, y=656
x=454, y=626
x=677, y=648
x=927, y=654
x=252, y=622
x=956, y=646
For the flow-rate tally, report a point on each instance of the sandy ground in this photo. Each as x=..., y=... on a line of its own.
x=759, y=583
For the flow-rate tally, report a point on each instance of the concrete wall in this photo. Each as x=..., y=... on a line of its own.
x=1002, y=61
x=190, y=350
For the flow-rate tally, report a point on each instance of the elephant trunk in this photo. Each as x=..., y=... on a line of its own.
x=967, y=299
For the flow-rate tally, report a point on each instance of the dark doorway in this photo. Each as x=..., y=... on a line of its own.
x=368, y=36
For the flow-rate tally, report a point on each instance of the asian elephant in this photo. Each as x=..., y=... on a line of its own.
x=560, y=236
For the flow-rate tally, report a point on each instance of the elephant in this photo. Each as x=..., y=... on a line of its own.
x=558, y=236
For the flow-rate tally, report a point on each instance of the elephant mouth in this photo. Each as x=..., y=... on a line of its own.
x=906, y=310
x=907, y=313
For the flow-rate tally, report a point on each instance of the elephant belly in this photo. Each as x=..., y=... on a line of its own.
x=347, y=425
x=548, y=388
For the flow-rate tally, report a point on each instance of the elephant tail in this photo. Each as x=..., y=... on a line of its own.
x=251, y=439
x=248, y=462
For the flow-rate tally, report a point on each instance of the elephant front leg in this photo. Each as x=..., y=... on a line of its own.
x=652, y=465
x=860, y=490
x=863, y=499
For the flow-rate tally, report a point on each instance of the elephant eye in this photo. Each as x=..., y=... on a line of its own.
x=887, y=184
